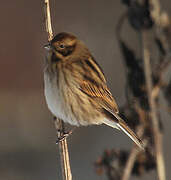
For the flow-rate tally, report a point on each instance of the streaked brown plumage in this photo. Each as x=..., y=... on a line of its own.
x=76, y=89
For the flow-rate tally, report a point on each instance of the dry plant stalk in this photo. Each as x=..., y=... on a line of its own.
x=48, y=20
x=153, y=111
x=63, y=147
x=64, y=154
x=161, y=21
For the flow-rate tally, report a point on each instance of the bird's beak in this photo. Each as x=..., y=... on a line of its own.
x=48, y=46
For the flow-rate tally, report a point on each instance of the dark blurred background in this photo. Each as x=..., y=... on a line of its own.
x=27, y=134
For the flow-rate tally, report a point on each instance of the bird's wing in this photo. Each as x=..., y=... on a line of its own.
x=93, y=84
x=97, y=89
x=100, y=93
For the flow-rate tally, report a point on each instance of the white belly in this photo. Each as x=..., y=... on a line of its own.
x=55, y=100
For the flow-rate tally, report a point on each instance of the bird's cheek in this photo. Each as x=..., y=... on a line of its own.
x=58, y=56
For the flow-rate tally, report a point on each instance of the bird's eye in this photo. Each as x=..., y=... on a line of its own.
x=62, y=46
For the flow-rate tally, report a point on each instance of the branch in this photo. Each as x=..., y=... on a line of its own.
x=48, y=20
x=163, y=25
x=152, y=103
x=63, y=147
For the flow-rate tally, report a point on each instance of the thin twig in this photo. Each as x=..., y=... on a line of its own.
x=163, y=66
x=63, y=147
x=160, y=72
x=162, y=22
x=153, y=111
x=155, y=11
x=48, y=20
x=64, y=154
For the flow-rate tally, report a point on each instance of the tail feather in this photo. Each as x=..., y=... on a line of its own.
x=131, y=134
x=111, y=123
x=121, y=125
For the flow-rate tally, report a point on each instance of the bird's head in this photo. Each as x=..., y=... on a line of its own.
x=62, y=45
x=65, y=46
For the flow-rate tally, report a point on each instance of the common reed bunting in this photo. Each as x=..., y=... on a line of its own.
x=76, y=89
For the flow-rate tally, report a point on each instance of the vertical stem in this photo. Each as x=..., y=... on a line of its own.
x=48, y=20
x=64, y=154
x=153, y=111
x=63, y=147
x=130, y=163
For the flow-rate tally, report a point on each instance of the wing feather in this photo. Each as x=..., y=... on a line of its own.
x=94, y=85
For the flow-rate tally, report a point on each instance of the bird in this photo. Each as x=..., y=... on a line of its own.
x=75, y=86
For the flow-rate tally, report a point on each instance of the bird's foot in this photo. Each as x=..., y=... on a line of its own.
x=62, y=135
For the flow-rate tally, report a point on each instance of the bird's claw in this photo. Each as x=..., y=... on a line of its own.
x=63, y=136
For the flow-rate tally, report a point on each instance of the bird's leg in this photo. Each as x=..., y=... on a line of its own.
x=62, y=134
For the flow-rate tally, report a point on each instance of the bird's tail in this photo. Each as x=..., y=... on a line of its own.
x=121, y=125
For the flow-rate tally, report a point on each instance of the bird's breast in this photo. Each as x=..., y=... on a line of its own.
x=52, y=94
x=55, y=100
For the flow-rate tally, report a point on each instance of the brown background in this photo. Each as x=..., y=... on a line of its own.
x=27, y=135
